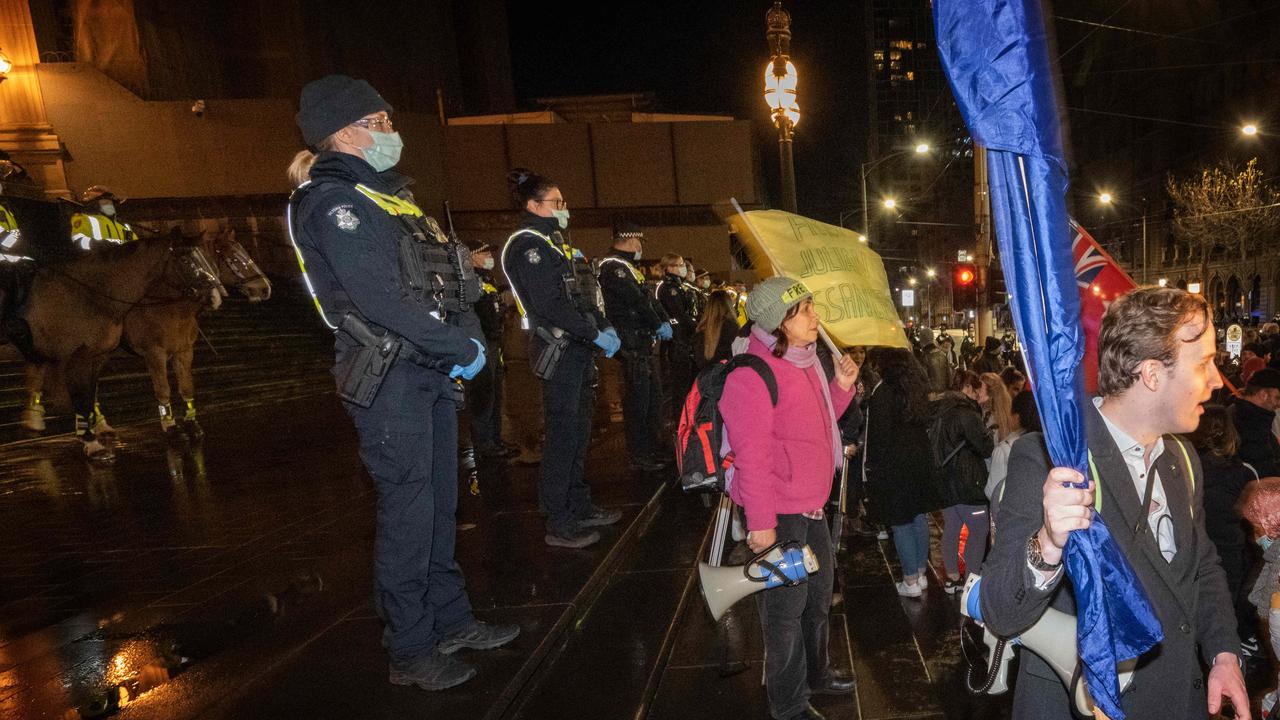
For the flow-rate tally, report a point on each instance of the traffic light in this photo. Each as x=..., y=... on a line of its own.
x=964, y=284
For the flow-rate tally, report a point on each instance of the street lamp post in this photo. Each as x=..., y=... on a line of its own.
x=867, y=167
x=780, y=94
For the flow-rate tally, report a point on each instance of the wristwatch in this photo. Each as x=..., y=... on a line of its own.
x=1036, y=558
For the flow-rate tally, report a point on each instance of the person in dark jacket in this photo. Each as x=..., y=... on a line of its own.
x=935, y=362
x=558, y=296
x=358, y=231
x=679, y=306
x=1254, y=414
x=991, y=360
x=899, y=477
x=485, y=392
x=717, y=327
x=1225, y=478
x=639, y=320
x=961, y=446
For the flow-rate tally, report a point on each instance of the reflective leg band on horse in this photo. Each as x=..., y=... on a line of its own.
x=191, y=409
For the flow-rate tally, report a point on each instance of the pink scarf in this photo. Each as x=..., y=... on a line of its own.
x=804, y=358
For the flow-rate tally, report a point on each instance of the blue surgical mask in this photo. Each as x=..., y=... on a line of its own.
x=636, y=255
x=384, y=153
x=562, y=217
x=487, y=264
x=1264, y=542
x=108, y=209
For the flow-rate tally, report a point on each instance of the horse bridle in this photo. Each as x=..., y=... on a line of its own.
x=238, y=261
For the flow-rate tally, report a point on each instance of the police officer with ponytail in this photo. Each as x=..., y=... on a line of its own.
x=560, y=306
x=397, y=293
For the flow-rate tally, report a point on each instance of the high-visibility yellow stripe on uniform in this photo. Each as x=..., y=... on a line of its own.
x=391, y=204
x=635, y=273
x=566, y=251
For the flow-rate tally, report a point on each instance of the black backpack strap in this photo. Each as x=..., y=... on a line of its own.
x=761, y=368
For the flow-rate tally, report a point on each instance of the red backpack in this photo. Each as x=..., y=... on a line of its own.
x=699, y=440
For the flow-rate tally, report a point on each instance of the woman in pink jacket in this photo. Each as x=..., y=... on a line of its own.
x=785, y=458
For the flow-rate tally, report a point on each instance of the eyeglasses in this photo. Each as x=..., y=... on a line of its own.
x=381, y=124
x=557, y=203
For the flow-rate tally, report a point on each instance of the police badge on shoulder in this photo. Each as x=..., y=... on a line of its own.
x=344, y=218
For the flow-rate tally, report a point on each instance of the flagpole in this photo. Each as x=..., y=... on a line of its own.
x=982, y=251
x=822, y=332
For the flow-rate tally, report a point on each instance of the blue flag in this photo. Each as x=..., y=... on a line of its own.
x=996, y=56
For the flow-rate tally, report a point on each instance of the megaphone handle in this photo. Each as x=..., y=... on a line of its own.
x=776, y=572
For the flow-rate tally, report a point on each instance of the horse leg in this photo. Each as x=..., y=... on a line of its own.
x=82, y=385
x=157, y=360
x=99, y=421
x=187, y=388
x=33, y=410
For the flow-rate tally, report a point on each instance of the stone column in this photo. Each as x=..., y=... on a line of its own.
x=25, y=132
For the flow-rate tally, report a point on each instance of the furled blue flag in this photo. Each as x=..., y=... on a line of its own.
x=996, y=55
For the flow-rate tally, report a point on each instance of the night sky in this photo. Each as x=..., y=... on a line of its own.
x=1194, y=67
x=708, y=56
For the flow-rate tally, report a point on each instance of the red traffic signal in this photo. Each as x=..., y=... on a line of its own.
x=964, y=287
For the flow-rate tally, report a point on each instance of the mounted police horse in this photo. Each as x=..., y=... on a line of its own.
x=76, y=311
x=166, y=330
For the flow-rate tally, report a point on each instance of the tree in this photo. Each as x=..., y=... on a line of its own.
x=1224, y=209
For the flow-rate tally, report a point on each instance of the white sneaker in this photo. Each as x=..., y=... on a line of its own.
x=910, y=590
x=923, y=580
x=882, y=535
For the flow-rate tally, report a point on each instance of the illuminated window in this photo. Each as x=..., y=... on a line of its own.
x=895, y=55
x=878, y=55
x=901, y=44
x=911, y=75
x=895, y=64
x=909, y=113
x=921, y=46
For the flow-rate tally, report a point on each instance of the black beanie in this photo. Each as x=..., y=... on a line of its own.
x=334, y=102
x=992, y=344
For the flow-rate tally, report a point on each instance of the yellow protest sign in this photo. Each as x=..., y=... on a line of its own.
x=848, y=282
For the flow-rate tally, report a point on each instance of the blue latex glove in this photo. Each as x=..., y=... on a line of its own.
x=470, y=371
x=664, y=331
x=608, y=340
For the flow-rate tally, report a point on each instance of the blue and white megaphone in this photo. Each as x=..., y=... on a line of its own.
x=1052, y=637
x=781, y=564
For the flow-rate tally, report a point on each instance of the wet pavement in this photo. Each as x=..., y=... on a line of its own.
x=231, y=579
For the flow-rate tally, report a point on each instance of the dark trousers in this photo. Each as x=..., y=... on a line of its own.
x=679, y=373
x=642, y=401
x=568, y=400
x=409, y=444
x=794, y=620
x=485, y=401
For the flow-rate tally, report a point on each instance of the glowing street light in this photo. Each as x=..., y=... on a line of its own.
x=931, y=273
x=1105, y=198
x=922, y=148
x=890, y=203
x=862, y=239
x=5, y=66
x=1249, y=129
x=911, y=281
x=780, y=94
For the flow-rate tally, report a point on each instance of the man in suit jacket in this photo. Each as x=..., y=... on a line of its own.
x=1156, y=351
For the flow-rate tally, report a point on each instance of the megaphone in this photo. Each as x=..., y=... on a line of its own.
x=1053, y=638
x=781, y=564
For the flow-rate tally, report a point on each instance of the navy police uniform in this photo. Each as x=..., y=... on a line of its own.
x=636, y=316
x=555, y=290
x=678, y=303
x=348, y=223
x=485, y=392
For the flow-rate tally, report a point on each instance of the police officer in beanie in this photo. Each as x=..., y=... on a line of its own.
x=397, y=293
x=634, y=313
x=558, y=297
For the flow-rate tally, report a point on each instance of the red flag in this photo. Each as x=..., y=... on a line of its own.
x=1101, y=281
